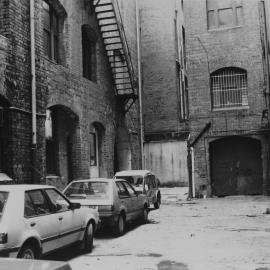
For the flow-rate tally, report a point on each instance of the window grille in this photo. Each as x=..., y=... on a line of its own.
x=229, y=88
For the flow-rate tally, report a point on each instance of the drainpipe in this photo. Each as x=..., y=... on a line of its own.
x=33, y=87
x=192, y=173
x=138, y=30
x=265, y=14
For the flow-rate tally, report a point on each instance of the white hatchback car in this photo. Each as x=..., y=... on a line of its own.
x=116, y=200
x=145, y=182
x=37, y=219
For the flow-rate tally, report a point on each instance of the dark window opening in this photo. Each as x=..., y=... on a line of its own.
x=89, y=53
x=93, y=149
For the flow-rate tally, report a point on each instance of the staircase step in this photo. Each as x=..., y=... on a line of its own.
x=102, y=11
x=106, y=18
x=108, y=24
x=104, y=5
x=108, y=37
x=109, y=31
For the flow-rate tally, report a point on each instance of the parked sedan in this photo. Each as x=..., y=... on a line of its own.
x=37, y=219
x=116, y=200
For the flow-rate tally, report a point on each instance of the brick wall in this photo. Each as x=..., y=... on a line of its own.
x=57, y=85
x=209, y=50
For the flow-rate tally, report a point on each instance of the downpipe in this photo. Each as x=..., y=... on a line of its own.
x=138, y=32
x=33, y=89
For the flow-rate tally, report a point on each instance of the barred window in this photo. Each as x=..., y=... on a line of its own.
x=224, y=13
x=229, y=88
x=50, y=32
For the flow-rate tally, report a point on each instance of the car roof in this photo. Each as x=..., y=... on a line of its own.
x=132, y=172
x=94, y=180
x=23, y=187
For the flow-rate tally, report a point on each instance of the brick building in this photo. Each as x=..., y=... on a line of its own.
x=165, y=108
x=86, y=120
x=228, y=104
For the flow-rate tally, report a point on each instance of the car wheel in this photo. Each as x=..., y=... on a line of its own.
x=145, y=215
x=88, y=237
x=120, y=225
x=157, y=203
x=28, y=252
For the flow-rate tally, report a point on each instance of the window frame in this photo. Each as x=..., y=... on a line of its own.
x=230, y=87
x=52, y=32
x=35, y=208
x=216, y=6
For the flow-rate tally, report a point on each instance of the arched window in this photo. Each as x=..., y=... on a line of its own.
x=89, y=58
x=229, y=88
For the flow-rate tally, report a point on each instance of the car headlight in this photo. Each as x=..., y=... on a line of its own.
x=3, y=238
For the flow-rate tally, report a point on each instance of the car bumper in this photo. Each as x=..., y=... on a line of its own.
x=108, y=220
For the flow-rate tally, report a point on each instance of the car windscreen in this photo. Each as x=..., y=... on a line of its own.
x=88, y=190
x=136, y=180
x=3, y=199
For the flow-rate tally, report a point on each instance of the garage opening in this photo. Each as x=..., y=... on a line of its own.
x=236, y=166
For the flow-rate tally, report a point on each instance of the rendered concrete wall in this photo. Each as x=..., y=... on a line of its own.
x=168, y=160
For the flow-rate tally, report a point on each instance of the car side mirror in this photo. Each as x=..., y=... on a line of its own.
x=74, y=206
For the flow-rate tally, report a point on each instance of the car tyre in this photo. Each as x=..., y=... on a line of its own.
x=157, y=203
x=145, y=215
x=28, y=251
x=89, y=237
x=120, y=225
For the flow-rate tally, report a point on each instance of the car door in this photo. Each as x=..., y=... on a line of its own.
x=40, y=218
x=125, y=199
x=137, y=202
x=71, y=222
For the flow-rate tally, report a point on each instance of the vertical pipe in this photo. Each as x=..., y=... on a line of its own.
x=33, y=85
x=192, y=173
x=138, y=30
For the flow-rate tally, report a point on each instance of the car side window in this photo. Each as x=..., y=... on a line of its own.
x=129, y=188
x=29, y=209
x=153, y=182
x=58, y=201
x=39, y=202
x=122, y=191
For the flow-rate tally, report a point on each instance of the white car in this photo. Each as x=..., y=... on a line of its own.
x=116, y=200
x=37, y=219
x=144, y=182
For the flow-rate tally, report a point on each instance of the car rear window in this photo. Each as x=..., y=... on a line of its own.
x=85, y=190
x=3, y=199
x=136, y=180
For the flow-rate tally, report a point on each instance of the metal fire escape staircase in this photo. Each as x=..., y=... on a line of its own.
x=113, y=34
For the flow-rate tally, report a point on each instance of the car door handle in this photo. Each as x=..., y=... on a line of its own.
x=60, y=218
x=32, y=224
